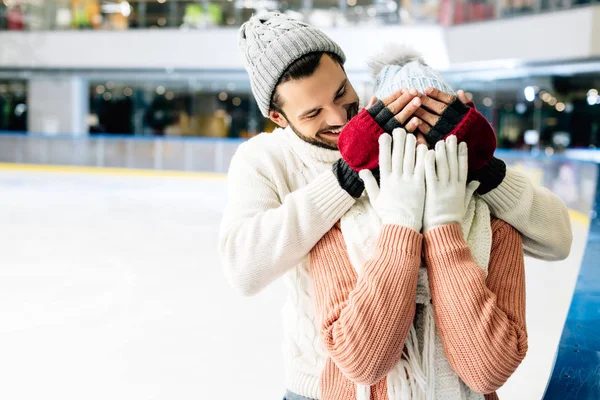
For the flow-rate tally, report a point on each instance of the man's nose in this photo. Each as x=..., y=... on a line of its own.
x=337, y=116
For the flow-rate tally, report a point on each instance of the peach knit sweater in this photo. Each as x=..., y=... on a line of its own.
x=365, y=321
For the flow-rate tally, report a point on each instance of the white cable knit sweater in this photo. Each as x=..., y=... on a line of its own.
x=283, y=197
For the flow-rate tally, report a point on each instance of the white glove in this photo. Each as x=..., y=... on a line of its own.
x=401, y=198
x=446, y=188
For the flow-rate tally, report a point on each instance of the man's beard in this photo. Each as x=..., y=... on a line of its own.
x=316, y=141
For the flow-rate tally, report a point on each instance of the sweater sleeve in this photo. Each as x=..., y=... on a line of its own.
x=537, y=213
x=262, y=237
x=481, y=321
x=365, y=321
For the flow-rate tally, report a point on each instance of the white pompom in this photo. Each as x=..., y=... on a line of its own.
x=393, y=54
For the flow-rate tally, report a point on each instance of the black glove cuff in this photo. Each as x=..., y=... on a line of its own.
x=434, y=136
x=490, y=176
x=376, y=108
x=455, y=112
x=383, y=116
x=348, y=178
x=391, y=125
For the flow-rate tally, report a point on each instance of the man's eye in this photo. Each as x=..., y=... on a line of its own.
x=341, y=94
x=311, y=116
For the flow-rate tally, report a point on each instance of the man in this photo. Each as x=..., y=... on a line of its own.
x=287, y=189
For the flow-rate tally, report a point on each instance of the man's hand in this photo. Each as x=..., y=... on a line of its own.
x=395, y=110
x=442, y=115
x=358, y=141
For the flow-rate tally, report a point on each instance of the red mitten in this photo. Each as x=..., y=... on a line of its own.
x=479, y=135
x=359, y=142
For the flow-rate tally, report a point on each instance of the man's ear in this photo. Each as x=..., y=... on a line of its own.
x=278, y=118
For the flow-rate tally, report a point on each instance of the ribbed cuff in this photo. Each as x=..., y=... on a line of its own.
x=455, y=112
x=302, y=383
x=401, y=238
x=329, y=197
x=348, y=178
x=434, y=136
x=381, y=114
x=441, y=239
x=508, y=194
x=392, y=124
x=490, y=176
x=376, y=108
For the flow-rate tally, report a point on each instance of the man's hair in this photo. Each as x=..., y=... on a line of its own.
x=303, y=67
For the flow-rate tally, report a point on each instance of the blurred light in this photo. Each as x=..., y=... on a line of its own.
x=63, y=17
x=231, y=87
x=532, y=137
x=220, y=113
x=170, y=95
x=529, y=93
x=236, y=101
x=546, y=97
x=549, y=151
x=160, y=90
x=107, y=96
x=392, y=6
x=110, y=85
x=161, y=1
x=487, y=102
x=521, y=108
x=469, y=96
x=542, y=93
x=20, y=109
x=592, y=99
x=553, y=101
x=125, y=9
x=351, y=3
x=3, y=88
x=551, y=121
x=561, y=139
x=162, y=21
x=592, y=92
x=536, y=89
x=591, y=146
x=569, y=107
x=560, y=107
x=128, y=91
x=223, y=96
x=231, y=20
x=372, y=12
x=100, y=89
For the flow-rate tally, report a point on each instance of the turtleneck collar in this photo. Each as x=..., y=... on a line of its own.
x=306, y=149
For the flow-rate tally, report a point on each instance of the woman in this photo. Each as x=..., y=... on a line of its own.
x=377, y=301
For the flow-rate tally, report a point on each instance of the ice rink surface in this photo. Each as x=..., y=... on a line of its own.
x=111, y=288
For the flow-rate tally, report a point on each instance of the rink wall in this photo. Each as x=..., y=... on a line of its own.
x=572, y=175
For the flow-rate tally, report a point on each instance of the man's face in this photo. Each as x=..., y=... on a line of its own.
x=319, y=106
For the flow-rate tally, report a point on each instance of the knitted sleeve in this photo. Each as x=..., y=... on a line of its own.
x=365, y=321
x=262, y=237
x=481, y=321
x=537, y=213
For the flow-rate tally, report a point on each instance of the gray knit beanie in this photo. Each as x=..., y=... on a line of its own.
x=400, y=67
x=271, y=42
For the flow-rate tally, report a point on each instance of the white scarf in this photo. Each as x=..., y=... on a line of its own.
x=423, y=372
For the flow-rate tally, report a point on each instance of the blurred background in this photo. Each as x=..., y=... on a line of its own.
x=118, y=120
